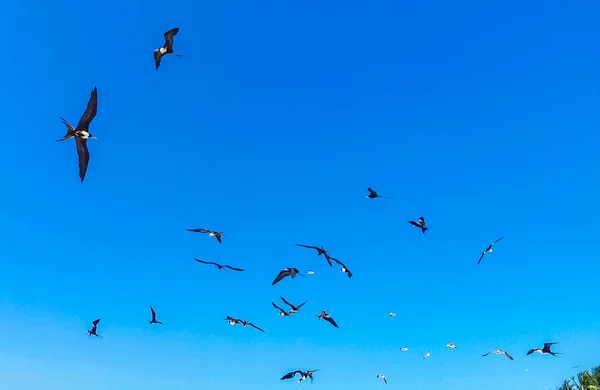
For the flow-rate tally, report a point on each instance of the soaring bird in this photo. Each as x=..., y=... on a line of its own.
x=373, y=194
x=451, y=345
x=247, y=323
x=153, y=320
x=324, y=315
x=545, y=350
x=404, y=349
x=392, y=314
x=211, y=233
x=167, y=47
x=81, y=133
x=426, y=355
x=92, y=332
x=219, y=266
x=286, y=272
x=499, y=352
x=382, y=377
x=344, y=268
x=282, y=312
x=294, y=309
x=420, y=224
x=320, y=251
x=233, y=321
x=303, y=375
x=488, y=250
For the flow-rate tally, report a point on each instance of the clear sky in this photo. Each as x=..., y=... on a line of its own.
x=482, y=117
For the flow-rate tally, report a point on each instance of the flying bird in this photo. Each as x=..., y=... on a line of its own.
x=324, y=315
x=426, y=355
x=92, y=332
x=320, y=251
x=219, y=266
x=451, y=345
x=247, y=323
x=499, y=352
x=545, y=350
x=282, y=312
x=488, y=250
x=373, y=194
x=392, y=314
x=286, y=272
x=211, y=233
x=81, y=133
x=233, y=321
x=294, y=309
x=303, y=375
x=420, y=224
x=382, y=377
x=344, y=268
x=167, y=47
x=153, y=320
x=310, y=272
x=404, y=349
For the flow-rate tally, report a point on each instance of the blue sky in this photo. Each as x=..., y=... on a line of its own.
x=481, y=117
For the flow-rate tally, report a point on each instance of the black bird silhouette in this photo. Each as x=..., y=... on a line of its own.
x=167, y=47
x=282, y=312
x=488, y=250
x=92, y=332
x=320, y=251
x=324, y=315
x=247, y=323
x=286, y=272
x=81, y=133
x=499, y=352
x=294, y=309
x=373, y=194
x=545, y=350
x=420, y=224
x=344, y=268
x=232, y=321
x=303, y=375
x=219, y=266
x=211, y=233
x=153, y=320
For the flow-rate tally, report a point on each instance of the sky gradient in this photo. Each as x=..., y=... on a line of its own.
x=483, y=118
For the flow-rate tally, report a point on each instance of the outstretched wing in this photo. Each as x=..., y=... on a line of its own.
x=507, y=355
x=218, y=237
x=233, y=268
x=290, y=375
x=532, y=350
x=281, y=275
x=157, y=57
x=169, y=37
x=371, y=191
x=90, y=111
x=487, y=353
x=255, y=327
x=308, y=246
x=414, y=223
x=153, y=313
x=302, y=304
x=481, y=257
x=198, y=230
x=287, y=303
x=331, y=321
x=83, y=156
x=337, y=261
x=206, y=262
x=498, y=240
x=276, y=307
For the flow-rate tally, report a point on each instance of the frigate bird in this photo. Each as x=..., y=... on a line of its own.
x=382, y=377
x=451, y=345
x=167, y=47
x=320, y=251
x=499, y=352
x=488, y=250
x=219, y=266
x=344, y=268
x=247, y=323
x=153, y=320
x=92, y=332
x=426, y=355
x=420, y=224
x=211, y=233
x=294, y=309
x=282, y=312
x=81, y=133
x=303, y=375
x=545, y=350
x=286, y=272
x=324, y=315
x=373, y=194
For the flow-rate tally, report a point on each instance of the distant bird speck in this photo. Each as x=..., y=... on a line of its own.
x=382, y=377
x=153, y=320
x=211, y=233
x=488, y=250
x=499, y=352
x=420, y=224
x=451, y=345
x=219, y=266
x=426, y=355
x=373, y=194
x=392, y=314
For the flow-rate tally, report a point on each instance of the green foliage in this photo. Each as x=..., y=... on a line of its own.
x=585, y=380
